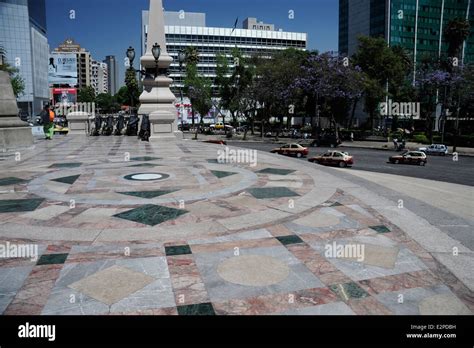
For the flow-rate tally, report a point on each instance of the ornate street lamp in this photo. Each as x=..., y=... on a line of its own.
x=131, y=55
x=156, y=51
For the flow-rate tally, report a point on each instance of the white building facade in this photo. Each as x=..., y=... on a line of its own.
x=99, y=77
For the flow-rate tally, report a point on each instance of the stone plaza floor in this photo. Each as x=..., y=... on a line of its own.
x=163, y=228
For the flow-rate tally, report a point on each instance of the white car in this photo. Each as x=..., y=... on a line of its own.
x=435, y=149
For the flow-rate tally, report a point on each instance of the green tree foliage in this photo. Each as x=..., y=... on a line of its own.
x=381, y=65
x=455, y=33
x=192, y=55
x=18, y=83
x=198, y=89
x=107, y=103
x=132, y=87
x=86, y=95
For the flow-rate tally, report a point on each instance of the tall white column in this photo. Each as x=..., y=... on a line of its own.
x=157, y=100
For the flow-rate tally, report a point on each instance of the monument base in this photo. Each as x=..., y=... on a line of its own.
x=13, y=138
x=77, y=122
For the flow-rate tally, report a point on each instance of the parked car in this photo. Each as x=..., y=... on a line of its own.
x=335, y=158
x=291, y=150
x=435, y=149
x=217, y=126
x=326, y=140
x=409, y=157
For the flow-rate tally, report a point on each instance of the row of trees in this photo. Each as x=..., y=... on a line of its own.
x=106, y=102
x=314, y=85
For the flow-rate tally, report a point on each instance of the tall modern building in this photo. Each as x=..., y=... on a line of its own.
x=113, y=74
x=84, y=61
x=100, y=77
x=417, y=25
x=184, y=29
x=23, y=36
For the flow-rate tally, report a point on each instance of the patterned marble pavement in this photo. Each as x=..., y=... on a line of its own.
x=123, y=227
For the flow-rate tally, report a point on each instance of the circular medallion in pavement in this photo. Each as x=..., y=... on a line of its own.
x=147, y=177
x=253, y=270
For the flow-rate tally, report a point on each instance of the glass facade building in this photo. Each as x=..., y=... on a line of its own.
x=23, y=36
x=192, y=31
x=416, y=25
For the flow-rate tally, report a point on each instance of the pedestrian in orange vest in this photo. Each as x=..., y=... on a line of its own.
x=47, y=117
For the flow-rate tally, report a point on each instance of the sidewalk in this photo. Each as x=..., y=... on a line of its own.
x=165, y=228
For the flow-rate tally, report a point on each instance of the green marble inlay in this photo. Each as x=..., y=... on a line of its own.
x=148, y=194
x=287, y=240
x=20, y=205
x=348, y=291
x=11, y=181
x=197, y=309
x=52, y=259
x=148, y=165
x=67, y=179
x=276, y=171
x=271, y=192
x=221, y=174
x=380, y=229
x=151, y=215
x=65, y=165
x=178, y=250
x=145, y=159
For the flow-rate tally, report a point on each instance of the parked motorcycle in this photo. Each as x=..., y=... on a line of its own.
x=145, y=129
x=132, y=125
x=120, y=125
x=108, y=125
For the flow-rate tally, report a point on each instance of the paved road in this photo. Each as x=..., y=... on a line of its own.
x=438, y=168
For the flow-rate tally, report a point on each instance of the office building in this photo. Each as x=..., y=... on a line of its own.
x=184, y=29
x=417, y=25
x=99, y=78
x=113, y=74
x=84, y=61
x=23, y=36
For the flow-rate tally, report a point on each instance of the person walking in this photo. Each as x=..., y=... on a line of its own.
x=47, y=117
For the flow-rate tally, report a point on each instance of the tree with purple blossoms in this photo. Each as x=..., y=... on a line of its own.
x=331, y=82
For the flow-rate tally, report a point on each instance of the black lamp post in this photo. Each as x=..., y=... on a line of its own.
x=156, y=51
x=181, y=59
x=131, y=57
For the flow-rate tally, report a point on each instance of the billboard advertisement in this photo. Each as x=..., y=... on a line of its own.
x=62, y=69
x=64, y=96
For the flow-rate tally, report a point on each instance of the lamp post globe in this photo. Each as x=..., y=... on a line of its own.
x=131, y=55
x=156, y=51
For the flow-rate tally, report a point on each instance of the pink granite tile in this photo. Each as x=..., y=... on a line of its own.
x=368, y=306
x=34, y=293
x=398, y=282
x=186, y=280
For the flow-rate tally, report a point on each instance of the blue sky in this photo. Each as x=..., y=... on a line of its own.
x=108, y=27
